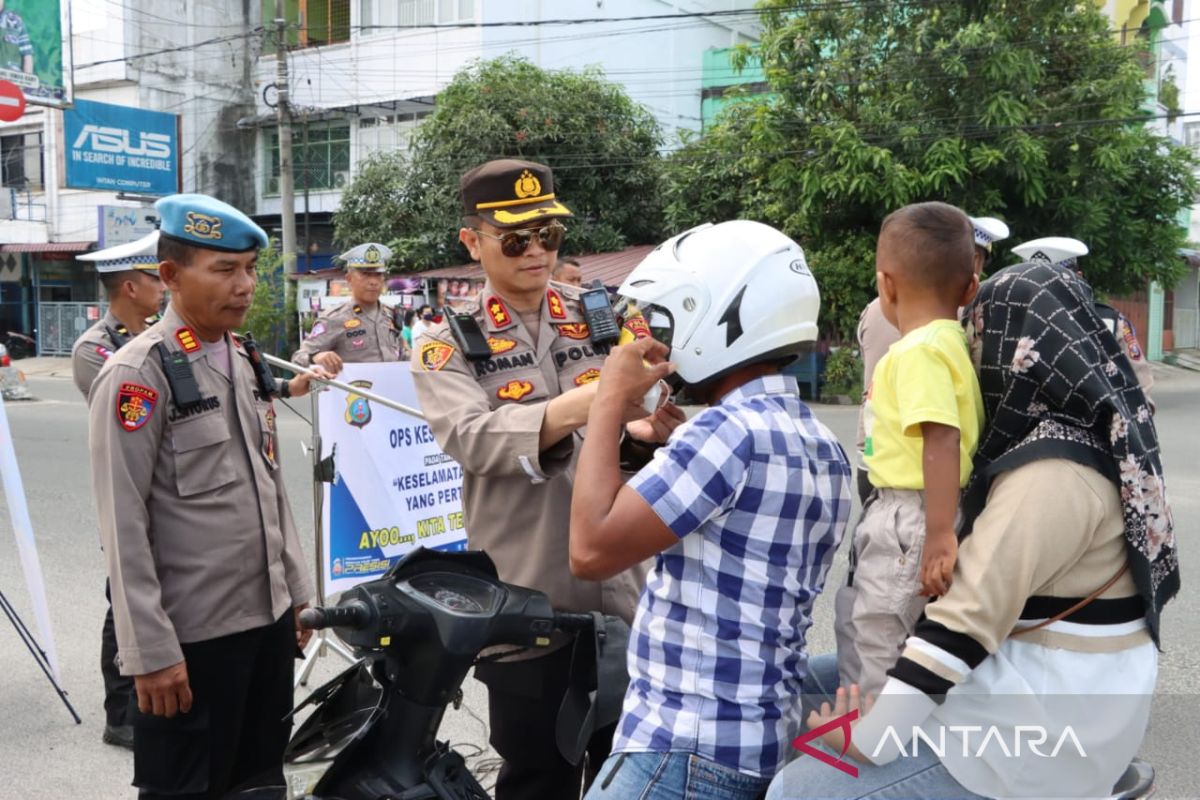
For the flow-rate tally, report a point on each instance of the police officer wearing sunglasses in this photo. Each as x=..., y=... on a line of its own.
x=510, y=417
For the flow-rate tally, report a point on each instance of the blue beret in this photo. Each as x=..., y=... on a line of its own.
x=202, y=221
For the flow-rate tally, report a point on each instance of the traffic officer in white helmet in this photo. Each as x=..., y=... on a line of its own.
x=742, y=508
x=1064, y=251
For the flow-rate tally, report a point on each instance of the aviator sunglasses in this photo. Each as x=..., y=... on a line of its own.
x=514, y=243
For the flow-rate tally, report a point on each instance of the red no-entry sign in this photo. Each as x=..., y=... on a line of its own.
x=12, y=102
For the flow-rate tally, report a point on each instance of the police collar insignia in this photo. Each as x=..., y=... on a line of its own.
x=135, y=404
x=587, y=376
x=187, y=339
x=358, y=409
x=435, y=355
x=574, y=330
x=514, y=390
x=498, y=313
x=554, y=303
x=357, y=309
x=500, y=345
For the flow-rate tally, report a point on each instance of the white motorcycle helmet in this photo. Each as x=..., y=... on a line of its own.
x=722, y=296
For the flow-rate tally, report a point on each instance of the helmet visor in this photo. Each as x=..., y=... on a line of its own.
x=639, y=319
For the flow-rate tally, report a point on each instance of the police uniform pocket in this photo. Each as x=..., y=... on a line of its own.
x=171, y=756
x=201, y=451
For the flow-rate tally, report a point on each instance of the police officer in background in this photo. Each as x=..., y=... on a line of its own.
x=1064, y=251
x=361, y=329
x=206, y=568
x=509, y=415
x=129, y=273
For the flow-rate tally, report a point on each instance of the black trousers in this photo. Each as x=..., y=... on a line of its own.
x=234, y=736
x=523, y=702
x=118, y=689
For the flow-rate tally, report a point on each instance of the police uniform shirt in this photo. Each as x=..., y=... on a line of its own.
x=93, y=348
x=355, y=334
x=192, y=511
x=488, y=416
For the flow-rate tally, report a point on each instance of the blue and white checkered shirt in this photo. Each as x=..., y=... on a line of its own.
x=758, y=492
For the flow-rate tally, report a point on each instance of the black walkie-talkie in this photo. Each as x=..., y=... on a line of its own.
x=468, y=334
x=598, y=311
x=185, y=391
x=262, y=373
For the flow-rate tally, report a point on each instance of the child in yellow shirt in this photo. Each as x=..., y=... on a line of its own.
x=923, y=415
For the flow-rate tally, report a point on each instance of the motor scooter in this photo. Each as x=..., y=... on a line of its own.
x=419, y=630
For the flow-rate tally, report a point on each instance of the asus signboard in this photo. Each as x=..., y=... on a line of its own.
x=121, y=149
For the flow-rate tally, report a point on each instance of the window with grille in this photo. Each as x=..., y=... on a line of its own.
x=380, y=16
x=320, y=158
x=21, y=161
x=310, y=23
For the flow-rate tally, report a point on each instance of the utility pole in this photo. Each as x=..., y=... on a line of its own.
x=287, y=192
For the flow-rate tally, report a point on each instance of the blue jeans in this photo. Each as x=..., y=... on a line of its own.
x=671, y=776
x=911, y=778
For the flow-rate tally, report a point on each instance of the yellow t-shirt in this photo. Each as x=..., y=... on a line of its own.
x=927, y=376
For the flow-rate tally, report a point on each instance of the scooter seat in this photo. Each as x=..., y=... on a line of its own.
x=1136, y=783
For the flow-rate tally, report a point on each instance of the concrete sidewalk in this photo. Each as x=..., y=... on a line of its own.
x=44, y=366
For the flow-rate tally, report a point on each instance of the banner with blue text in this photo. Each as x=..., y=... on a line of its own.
x=394, y=489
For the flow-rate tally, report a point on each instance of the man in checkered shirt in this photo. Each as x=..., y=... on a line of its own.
x=742, y=510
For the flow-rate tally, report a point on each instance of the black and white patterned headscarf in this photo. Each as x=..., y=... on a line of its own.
x=1055, y=385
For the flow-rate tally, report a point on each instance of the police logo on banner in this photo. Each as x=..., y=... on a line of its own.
x=358, y=409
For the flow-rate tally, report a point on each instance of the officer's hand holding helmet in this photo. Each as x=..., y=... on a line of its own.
x=724, y=296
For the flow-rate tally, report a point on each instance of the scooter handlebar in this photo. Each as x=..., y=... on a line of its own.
x=354, y=614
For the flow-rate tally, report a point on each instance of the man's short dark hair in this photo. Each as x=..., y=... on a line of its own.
x=176, y=251
x=111, y=281
x=933, y=243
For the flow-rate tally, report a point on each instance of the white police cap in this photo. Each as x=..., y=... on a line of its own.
x=988, y=230
x=1054, y=250
x=367, y=257
x=142, y=255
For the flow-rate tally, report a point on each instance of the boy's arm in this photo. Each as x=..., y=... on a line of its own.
x=940, y=468
x=612, y=527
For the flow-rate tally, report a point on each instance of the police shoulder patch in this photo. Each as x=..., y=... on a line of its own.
x=187, y=339
x=574, y=330
x=499, y=345
x=435, y=355
x=587, y=376
x=514, y=390
x=103, y=352
x=135, y=404
x=554, y=303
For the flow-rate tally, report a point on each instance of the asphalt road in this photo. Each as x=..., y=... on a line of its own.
x=43, y=754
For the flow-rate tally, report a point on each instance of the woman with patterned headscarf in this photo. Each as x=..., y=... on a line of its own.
x=1033, y=676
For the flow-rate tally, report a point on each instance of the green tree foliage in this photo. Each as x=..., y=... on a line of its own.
x=602, y=146
x=272, y=316
x=1029, y=111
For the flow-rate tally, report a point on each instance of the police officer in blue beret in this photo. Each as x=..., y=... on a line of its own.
x=203, y=556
